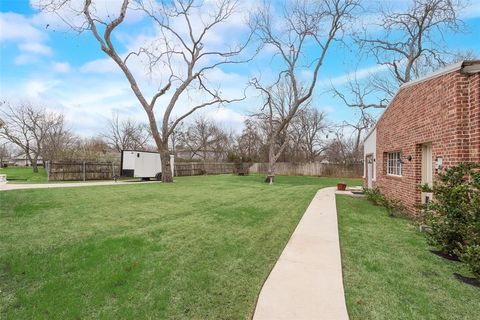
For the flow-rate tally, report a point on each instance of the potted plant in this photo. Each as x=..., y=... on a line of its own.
x=341, y=186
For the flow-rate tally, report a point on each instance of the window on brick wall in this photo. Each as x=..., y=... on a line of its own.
x=394, y=163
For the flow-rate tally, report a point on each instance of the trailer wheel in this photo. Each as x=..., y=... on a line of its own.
x=158, y=176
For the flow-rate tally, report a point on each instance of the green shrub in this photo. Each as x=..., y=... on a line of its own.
x=471, y=256
x=374, y=196
x=454, y=213
x=394, y=207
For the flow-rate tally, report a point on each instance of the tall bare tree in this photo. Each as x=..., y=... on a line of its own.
x=59, y=141
x=28, y=127
x=179, y=52
x=304, y=27
x=308, y=130
x=276, y=116
x=126, y=134
x=410, y=44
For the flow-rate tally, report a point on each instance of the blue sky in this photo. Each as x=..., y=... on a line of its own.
x=41, y=60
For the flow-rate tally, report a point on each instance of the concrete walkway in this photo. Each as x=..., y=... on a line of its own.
x=8, y=186
x=306, y=282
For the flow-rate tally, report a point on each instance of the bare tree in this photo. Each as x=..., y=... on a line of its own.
x=59, y=141
x=179, y=52
x=304, y=26
x=250, y=142
x=364, y=123
x=341, y=148
x=276, y=116
x=205, y=139
x=4, y=153
x=411, y=44
x=28, y=127
x=175, y=137
x=307, y=129
x=126, y=134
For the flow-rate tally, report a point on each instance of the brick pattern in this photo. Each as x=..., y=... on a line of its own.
x=444, y=111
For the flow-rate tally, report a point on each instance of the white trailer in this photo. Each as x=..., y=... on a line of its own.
x=142, y=164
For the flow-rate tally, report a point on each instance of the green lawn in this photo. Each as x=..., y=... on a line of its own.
x=196, y=249
x=24, y=175
x=389, y=272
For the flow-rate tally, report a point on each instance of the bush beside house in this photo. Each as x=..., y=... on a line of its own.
x=394, y=207
x=453, y=216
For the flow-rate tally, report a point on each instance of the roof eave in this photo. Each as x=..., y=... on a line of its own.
x=465, y=66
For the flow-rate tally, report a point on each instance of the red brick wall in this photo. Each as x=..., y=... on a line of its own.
x=444, y=111
x=474, y=118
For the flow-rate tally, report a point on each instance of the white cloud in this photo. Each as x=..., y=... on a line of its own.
x=217, y=75
x=15, y=27
x=223, y=114
x=102, y=66
x=30, y=41
x=327, y=109
x=36, y=48
x=69, y=14
x=61, y=67
x=472, y=10
x=358, y=74
x=23, y=59
x=36, y=88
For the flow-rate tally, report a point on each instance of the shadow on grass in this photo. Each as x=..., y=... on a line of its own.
x=468, y=280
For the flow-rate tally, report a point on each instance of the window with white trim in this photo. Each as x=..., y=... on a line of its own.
x=394, y=163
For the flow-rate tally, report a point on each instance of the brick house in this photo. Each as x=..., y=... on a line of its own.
x=432, y=123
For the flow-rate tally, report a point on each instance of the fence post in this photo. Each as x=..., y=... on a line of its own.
x=113, y=170
x=84, y=170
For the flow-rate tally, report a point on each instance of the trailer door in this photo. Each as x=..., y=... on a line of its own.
x=128, y=163
x=147, y=164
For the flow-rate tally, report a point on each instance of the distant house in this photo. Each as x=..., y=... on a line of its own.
x=22, y=160
x=431, y=124
x=5, y=161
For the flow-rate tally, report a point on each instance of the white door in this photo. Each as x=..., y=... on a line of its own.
x=427, y=170
x=147, y=164
x=369, y=172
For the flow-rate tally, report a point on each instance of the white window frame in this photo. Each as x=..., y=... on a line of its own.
x=394, y=163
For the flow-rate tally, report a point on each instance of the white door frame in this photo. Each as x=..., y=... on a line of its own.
x=427, y=170
x=369, y=166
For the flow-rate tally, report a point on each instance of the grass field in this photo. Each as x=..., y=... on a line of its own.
x=196, y=249
x=24, y=175
x=389, y=272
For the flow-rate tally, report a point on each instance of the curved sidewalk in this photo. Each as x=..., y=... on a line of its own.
x=306, y=282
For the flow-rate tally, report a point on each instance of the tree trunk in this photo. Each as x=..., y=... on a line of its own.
x=271, y=163
x=166, y=166
x=33, y=162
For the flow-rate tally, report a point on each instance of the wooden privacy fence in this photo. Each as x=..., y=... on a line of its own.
x=312, y=169
x=85, y=170
x=200, y=168
x=82, y=170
